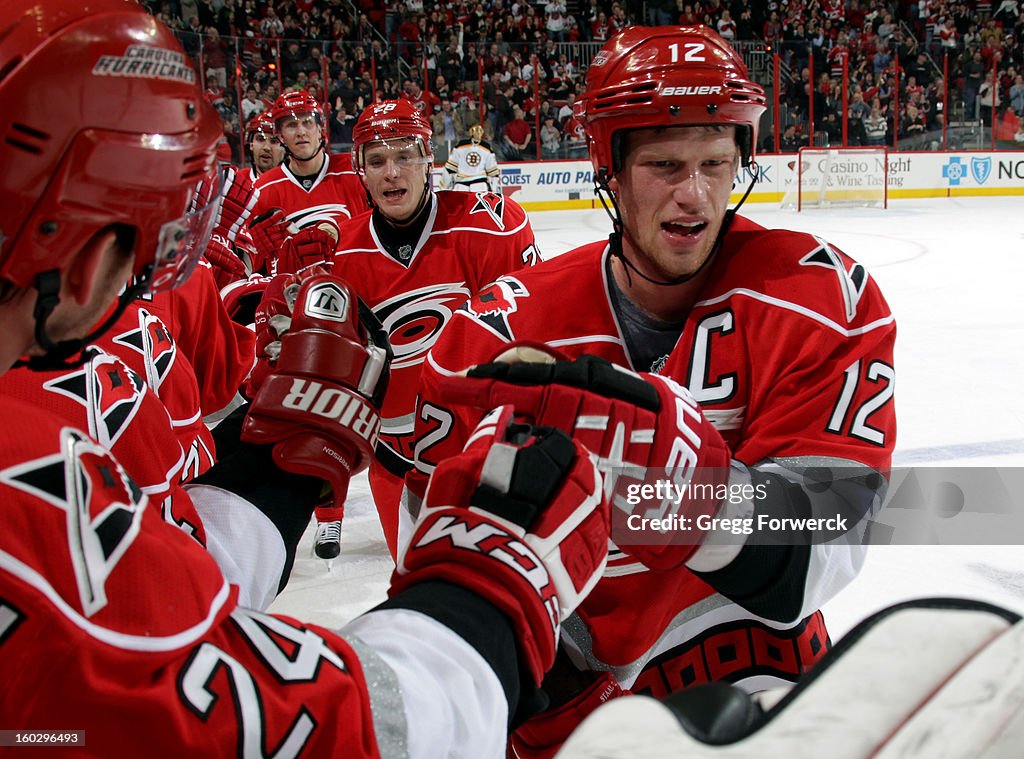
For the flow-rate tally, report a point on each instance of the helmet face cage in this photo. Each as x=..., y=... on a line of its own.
x=129, y=149
x=650, y=77
x=388, y=121
x=476, y=133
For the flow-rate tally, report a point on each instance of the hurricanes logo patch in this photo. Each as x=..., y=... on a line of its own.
x=491, y=204
x=156, y=345
x=111, y=393
x=495, y=302
x=413, y=320
x=104, y=508
x=852, y=281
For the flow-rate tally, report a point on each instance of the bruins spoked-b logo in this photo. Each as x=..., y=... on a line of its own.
x=327, y=300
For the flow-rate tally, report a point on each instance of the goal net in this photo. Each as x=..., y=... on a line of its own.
x=838, y=177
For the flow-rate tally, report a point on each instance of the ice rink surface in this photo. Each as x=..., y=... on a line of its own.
x=952, y=271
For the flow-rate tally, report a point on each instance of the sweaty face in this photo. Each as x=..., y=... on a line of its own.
x=267, y=152
x=396, y=177
x=301, y=134
x=673, y=192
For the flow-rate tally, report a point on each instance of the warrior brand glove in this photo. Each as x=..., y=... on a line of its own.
x=519, y=518
x=644, y=429
x=319, y=380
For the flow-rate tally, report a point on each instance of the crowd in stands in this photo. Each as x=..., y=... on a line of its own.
x=516, y=67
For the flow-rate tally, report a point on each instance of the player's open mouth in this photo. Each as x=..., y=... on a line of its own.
x=394, y=194
x=684, y=229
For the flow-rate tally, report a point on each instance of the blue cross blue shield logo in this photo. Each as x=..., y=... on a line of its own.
x=981, y=168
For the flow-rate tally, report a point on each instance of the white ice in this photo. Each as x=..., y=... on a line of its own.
x=952, y=271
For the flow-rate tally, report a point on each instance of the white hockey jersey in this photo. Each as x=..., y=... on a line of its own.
x=472, y=166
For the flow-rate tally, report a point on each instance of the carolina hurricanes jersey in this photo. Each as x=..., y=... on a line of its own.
x=789, y=350
x=336, y=193
x=473, y=162
x=220, y=351
x=144, y=342
x=115, y=623
x=468, y=241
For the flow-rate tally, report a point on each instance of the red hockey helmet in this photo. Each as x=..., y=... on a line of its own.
x=291, y=104
x=261, y=123
x=389, y=120
x=664, y=76
x=104, y=123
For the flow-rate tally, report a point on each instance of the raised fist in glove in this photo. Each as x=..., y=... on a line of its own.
x=320, y=378
x=283, y=247
x=645, y=429
x=519, y=518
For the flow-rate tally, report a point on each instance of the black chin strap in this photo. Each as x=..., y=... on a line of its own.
x=322, y=150
x=68, y=354
x=607, y=199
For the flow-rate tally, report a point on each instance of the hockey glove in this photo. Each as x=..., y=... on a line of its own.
x=518, y=517
x=306, y=247
x=236, y=205
x=227, y=266
x=541, y=736
x=645, y=430
x=322, y=376
x=242, y=298
x=268, y=232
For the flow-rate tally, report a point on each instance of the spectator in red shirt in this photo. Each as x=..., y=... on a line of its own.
x=516, y=136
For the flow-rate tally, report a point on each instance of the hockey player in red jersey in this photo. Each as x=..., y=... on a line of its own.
x=295, y=202
x=415, y=260
x=311, y=189
x=262, y=146
x=784, y=341
x=230, y=251
x=114, y=623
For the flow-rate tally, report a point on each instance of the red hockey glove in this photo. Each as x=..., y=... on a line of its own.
x=241, y=298
x=541, y=736
x=268, y=232
x=319, y=402
x=306, y=247
x=227, y=266
x=519, y=518
x=236, y=204
x=644, y=429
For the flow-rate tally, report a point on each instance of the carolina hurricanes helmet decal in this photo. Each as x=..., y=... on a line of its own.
x=137, y=111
